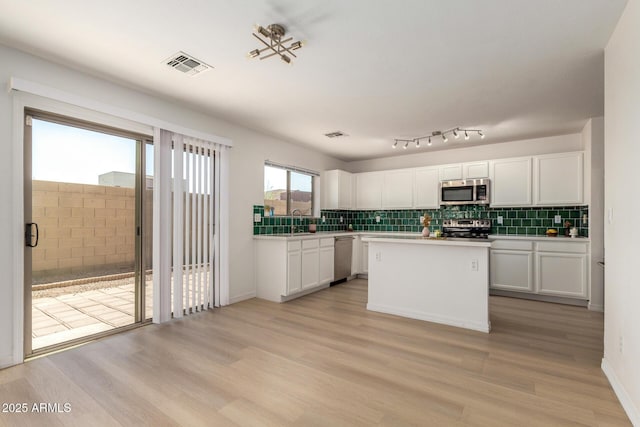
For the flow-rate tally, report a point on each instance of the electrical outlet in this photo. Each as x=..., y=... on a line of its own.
x=557, y=219
x=257, y=217
x=474, y=265
x=620, y=343
x=378, y=256
x=377, y=218
x=324, y=219
x=584, y=219
x=341, y=220
x=500, y=220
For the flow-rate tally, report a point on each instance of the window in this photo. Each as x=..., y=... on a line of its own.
x=287, y=189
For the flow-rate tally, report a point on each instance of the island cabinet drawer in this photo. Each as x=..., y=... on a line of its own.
x=512, y=245
x=310, y=244
x=566, y=247
x=293, y=246
x=327, y=242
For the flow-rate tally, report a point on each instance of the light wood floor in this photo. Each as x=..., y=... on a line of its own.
x=323, y=360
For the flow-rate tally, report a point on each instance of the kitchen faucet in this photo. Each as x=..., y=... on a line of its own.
x=293, y=212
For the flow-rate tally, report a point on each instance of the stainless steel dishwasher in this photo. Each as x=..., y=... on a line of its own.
x=342, y=258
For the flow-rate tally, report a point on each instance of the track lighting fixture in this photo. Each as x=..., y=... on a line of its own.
x=274, y=43
x=443, y=134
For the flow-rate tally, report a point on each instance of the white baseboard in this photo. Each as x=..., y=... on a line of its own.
x=412, y=314
x=627, y=404
x=596, y=307
x=242, y=297
x=6, y=361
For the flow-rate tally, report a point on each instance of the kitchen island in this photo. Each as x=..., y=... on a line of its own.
x=437, y=280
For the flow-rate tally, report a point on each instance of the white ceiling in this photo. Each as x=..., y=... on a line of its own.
x=374, y=69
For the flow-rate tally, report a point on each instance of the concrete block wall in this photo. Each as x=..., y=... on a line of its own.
x=83, y=228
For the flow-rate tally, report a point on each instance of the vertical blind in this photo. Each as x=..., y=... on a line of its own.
x=189, y=268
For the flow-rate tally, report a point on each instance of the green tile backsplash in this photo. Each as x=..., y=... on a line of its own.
x=532, y=221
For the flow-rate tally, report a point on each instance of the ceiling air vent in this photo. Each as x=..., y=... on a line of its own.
x=187, y=64
x=335, y=134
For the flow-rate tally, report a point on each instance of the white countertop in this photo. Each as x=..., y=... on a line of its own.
x=395, y=235
x=419, y=240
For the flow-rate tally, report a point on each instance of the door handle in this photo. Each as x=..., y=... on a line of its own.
x=28, y=235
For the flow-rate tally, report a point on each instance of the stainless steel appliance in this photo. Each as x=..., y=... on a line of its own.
x=466, y=228
x=465, y=192
x=342, y=258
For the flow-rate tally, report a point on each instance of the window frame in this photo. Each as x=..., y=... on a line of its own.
x=288, y=170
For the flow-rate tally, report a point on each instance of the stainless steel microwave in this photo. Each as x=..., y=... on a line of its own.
x=465, y=192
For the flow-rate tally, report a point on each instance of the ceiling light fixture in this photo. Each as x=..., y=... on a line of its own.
x=274, y=43
x=443, y=134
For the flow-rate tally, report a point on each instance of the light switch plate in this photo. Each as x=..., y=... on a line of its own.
x=257, y=217
x=557, y=219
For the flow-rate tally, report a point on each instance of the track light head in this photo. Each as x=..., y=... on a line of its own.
x=395, y=144
x=417, y=143
x=444, y=138
x=466, y=135
x=429, y=143
x=406, y=144
x=455, y=134
x=481, y=134
x=253, y=53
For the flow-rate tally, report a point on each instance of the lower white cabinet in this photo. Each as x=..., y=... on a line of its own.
x=364, y=258
x=285, y=267
x=326, y=260
x=310, y=264
x=553, y=268
x=561, y=269
x=294, y=258
x=512, y=270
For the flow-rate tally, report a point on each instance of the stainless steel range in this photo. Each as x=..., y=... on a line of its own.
x=467, y=228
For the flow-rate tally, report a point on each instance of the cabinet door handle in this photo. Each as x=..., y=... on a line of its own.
x=28, y=235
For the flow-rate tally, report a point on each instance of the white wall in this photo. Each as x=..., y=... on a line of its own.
x=593, y=141
x=246, y=165
x=622, y=235
x=526, y=147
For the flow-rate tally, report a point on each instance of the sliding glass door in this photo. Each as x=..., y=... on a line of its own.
x=88, y=221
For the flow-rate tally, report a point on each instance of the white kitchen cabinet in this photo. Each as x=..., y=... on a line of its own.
x=558, y=179
x=369, y=190
x=336, y=189
x=426, y=187
x=294, y=269
x=541, y=267
x=450, y=172
x=475, y=170
x=310, y=264
x=510, y=182
x=561, y=269
x=397, y=189
x=356, y=250
x=287, y=267
x=326, y=260
x=364, y=258
x=511, y=270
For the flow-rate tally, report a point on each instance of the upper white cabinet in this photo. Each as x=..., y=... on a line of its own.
x=336, y=189
x=426, y=186
x=369, y=190
x=510, y=182
x=475, y=170
x=558, y=179
x=397, y=189
x=450, y=172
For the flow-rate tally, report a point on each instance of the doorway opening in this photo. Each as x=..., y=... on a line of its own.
x=88, y=230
